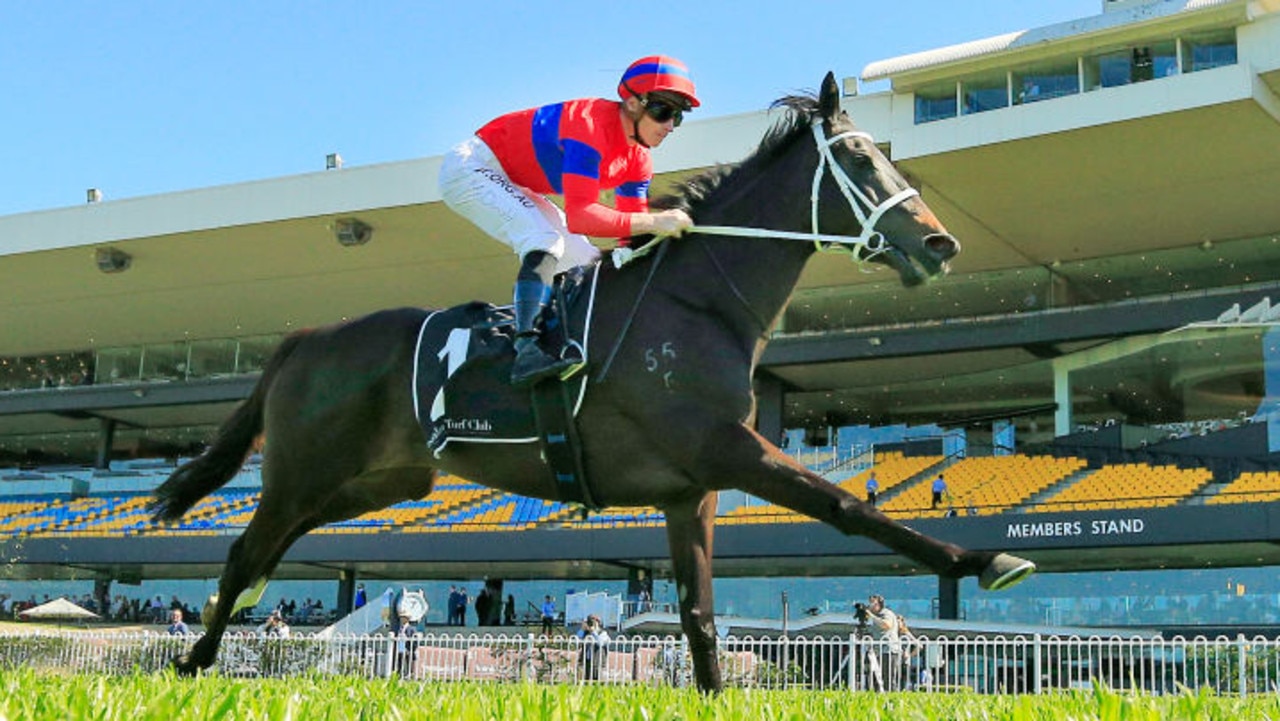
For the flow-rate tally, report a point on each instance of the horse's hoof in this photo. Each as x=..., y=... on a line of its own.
x=183, y=667
x=1005, y=571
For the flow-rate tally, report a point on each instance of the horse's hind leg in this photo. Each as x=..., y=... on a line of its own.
x=252, y=557
x=279, y=522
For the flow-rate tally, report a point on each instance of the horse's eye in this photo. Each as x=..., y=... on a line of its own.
x=860, y=159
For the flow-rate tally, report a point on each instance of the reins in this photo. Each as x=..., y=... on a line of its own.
x=733, y=287
x=631, y=316
x=862, y=247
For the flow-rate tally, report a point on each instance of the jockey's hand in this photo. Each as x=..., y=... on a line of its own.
x=671, y=222
x=621, y=256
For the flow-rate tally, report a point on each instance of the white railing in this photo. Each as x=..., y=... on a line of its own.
x=1021, y=664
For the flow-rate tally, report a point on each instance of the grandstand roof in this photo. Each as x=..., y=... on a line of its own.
x=1124, y=21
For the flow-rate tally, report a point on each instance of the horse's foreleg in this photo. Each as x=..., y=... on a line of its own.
x=689, y=533
x=736, y=456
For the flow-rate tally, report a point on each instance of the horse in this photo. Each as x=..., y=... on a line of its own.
x=669, y=418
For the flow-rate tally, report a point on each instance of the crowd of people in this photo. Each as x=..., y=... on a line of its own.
x=120, y=609
x=489, y=606
x=310, y=612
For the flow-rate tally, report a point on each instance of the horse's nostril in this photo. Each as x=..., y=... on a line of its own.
x=943, y=246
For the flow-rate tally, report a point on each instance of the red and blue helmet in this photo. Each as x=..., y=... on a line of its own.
x=658, y=72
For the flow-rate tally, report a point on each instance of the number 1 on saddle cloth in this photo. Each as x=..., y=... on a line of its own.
x=464, y=356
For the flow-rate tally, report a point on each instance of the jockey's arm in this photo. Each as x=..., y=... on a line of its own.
x=596, y=219
x=585, y=214
x=665, y=222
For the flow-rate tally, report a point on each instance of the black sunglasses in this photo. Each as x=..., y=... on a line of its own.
x=662, y=112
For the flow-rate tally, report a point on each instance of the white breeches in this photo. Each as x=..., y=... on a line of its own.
x=474, y=185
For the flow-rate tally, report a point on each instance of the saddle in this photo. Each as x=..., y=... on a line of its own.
x=462, y=389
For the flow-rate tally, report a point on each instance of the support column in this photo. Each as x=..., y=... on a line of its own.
x=346, y=592
x=1062, y=397
x=102, y=594
x=106, y=439
x=1269, y=408
x=948, y=599
x=769, y=407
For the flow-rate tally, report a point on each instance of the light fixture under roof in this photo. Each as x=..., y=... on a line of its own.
x=352, y=231
x=112, y=260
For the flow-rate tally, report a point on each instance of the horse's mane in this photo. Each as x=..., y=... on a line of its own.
x=689, y=194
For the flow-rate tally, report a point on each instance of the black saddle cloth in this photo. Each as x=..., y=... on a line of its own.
x=462, y=381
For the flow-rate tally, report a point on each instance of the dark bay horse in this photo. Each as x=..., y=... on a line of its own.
x=671, y=422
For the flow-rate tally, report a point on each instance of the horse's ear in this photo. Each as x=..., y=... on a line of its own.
x=829, y=98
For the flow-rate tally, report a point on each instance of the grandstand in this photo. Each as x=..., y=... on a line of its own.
x=1129, y=485
x=1251, y=487
x=1104, y=348
x=988, y=485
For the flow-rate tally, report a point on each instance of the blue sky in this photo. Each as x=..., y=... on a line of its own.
x=141, y=97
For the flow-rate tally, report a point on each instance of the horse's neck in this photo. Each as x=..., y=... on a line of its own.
x=764, y=271
x=760, y=274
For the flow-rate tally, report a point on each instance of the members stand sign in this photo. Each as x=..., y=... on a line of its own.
x=1086, y=527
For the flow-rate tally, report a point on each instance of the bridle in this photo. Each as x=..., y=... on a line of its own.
x=862, y=247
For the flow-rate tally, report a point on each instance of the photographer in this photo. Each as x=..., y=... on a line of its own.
x=595, y=645
x=866, y=648
x=885, y=629
x=274, y=626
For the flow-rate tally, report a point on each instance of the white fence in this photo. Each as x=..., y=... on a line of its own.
x=1022, y=664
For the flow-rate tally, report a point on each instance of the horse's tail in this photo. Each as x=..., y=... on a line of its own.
x=201, y=476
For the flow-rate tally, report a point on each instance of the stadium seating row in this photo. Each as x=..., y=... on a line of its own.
x=976, y=486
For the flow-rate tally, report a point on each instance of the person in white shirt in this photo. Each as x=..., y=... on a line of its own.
x=274, y=626
x=885, y=629
x=595, y=646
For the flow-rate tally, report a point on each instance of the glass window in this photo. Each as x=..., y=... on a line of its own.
x=1106, y=71
x=1164, y=58
x=1042, y=82
x=935, y=103
x=118, y=365
x=164, y=362
x=255, y=351
x=985, y=93
x=212, y=358
x=1131, y=65
x=1209, y=50
x=56, y=370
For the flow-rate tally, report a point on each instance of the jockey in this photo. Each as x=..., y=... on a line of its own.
x=498, y=179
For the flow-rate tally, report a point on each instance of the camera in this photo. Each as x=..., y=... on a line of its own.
x=860, y=612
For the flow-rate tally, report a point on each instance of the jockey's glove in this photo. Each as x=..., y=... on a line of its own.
x=621, y=256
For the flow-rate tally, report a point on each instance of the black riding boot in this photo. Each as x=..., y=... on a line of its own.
x=532, y=363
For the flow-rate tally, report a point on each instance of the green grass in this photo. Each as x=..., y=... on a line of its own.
x=28, y=695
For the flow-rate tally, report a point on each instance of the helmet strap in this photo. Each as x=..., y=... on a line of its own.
x=635, y=119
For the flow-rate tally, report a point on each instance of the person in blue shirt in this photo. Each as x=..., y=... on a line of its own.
x=177, y=627
x=873, y=488
x=939, y=490
x=548, y=616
